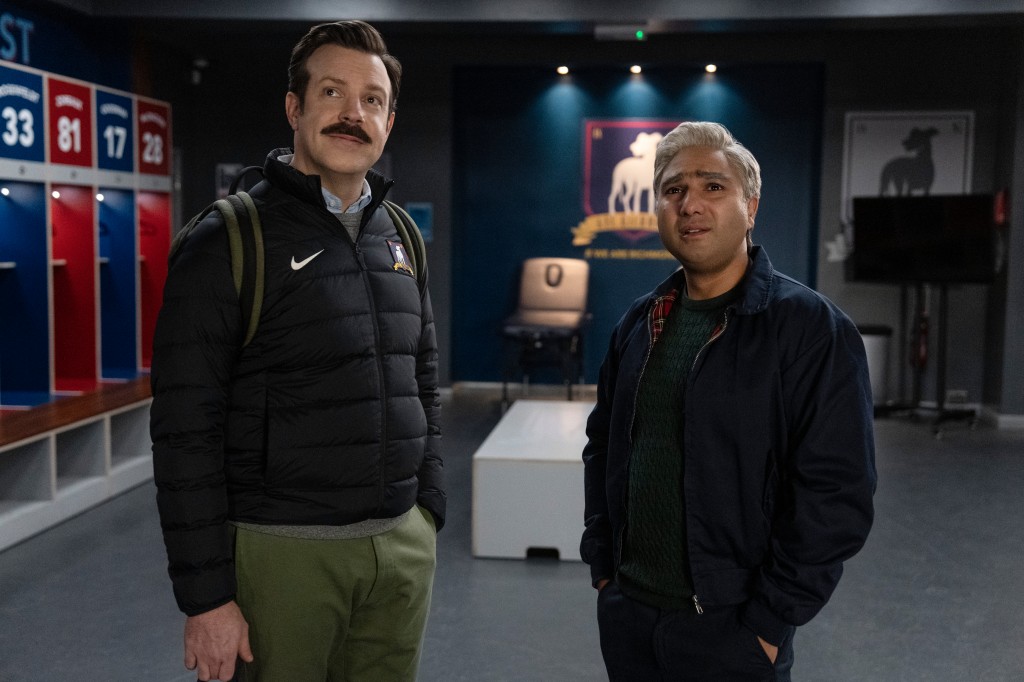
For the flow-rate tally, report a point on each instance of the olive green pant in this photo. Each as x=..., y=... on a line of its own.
x=349, y=610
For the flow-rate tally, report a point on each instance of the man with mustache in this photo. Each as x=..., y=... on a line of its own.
x=730, y=464
x=299, y=479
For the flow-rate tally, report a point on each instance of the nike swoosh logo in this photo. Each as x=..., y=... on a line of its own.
x=304, y=262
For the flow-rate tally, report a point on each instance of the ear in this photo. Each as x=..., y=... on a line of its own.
x=752, y=204
x=292, y=109
x=391, y=122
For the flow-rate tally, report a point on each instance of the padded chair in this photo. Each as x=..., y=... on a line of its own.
x=547, y=327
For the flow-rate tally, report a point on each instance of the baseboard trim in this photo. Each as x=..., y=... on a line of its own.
x=1002, y=421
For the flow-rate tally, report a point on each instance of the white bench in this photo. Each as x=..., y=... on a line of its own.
x=528, y=481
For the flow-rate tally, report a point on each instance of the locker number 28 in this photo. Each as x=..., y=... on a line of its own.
x=152, y=149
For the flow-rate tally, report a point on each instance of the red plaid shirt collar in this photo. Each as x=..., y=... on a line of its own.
x=662, y=307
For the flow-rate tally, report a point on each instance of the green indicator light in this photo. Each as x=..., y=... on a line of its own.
x=639, y=35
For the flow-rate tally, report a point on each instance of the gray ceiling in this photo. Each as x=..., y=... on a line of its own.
x=565, y=15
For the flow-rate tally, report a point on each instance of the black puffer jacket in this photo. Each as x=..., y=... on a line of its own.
x=329, y=416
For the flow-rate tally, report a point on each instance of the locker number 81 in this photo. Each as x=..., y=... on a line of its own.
x=69, y=134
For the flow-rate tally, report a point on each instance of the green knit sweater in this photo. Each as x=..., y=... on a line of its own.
x=655, y=567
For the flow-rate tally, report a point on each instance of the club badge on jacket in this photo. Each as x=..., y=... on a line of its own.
x=401, y=260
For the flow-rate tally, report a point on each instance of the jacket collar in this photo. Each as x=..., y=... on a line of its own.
x=760, y=282
x=757, y=287
x=307, y=187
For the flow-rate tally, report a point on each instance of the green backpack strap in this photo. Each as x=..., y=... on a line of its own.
x=245, y=237
x=245, y=240
x=411, y=237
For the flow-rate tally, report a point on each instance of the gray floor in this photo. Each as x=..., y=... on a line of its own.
x=935, y=595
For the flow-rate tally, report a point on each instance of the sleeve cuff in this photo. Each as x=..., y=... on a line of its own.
x=764, y=623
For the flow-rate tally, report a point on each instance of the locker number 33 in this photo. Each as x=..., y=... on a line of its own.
x=17, y=127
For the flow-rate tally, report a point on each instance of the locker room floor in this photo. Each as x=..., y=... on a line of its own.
x=934, y=595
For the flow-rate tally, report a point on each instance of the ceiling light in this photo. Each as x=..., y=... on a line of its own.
x=6, y=192
x=635, y=69
x=562, y=70
x=711, y=68
x=55, y=194
x=99, y=197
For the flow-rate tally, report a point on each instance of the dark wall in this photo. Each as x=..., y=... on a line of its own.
x=65, y=42
x=931, y=71
x=520, y=167
x=235, y=115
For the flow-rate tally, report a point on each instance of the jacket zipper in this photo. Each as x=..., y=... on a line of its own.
x=643, y=368
x=632, y=420
x=714, y=337
x=380, y=377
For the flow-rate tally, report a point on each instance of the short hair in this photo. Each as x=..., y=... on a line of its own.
x=715, y=136
x=353, y=34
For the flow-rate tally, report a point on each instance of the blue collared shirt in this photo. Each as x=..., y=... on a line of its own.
x=334, y=204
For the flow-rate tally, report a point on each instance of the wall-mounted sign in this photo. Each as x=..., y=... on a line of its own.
x=115, y=132
x=422, y=213
x=14, y=38
x=618, y=187
x=154, y=137
x=70, y=122
x=901, y=153
x=22, y=135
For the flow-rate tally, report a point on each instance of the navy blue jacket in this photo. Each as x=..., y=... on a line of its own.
x=779, y=450
x=330, y=416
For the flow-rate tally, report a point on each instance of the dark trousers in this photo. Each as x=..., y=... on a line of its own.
x=647, y=644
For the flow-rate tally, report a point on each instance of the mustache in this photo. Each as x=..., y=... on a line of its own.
x=346, y=129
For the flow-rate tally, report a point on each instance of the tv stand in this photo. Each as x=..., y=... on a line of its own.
x=918, y=345
x=944, y=414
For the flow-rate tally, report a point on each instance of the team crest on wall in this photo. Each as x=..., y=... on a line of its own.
x=618, y=185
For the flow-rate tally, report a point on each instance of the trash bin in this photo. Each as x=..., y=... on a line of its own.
x=876, y=344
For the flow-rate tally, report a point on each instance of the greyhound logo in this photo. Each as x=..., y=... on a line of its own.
x=619, y=174
x=633, y=177
x=915, y=172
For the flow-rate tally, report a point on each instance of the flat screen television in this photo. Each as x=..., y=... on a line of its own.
x=938, y=238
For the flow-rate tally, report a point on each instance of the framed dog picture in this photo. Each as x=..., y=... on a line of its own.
x=899, y=153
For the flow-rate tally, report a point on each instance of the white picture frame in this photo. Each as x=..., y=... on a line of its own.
x=886, y=153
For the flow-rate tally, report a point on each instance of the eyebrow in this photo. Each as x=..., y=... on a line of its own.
x=373, y=87
x=705, y=175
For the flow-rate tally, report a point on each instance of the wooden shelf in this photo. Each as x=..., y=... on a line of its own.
x=24, y=424
x=63, y=457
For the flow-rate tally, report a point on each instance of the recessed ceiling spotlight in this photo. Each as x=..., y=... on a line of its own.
x=562, y=70
x=55, y=194
x=635, y=69
x=99, y=196
x=711, y=68
x=6, y=192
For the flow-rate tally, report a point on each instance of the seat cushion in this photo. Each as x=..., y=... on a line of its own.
x=552, y=323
